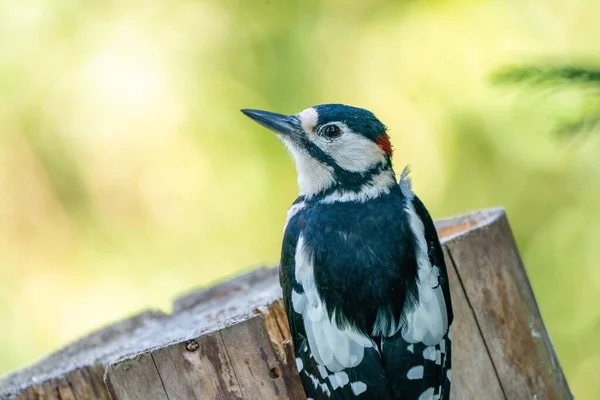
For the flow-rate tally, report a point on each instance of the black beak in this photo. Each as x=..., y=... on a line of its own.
x=278, y=123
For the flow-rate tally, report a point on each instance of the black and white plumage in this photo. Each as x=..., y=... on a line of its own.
x=362, y=271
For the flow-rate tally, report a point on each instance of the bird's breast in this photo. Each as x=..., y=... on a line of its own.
x=361, y=259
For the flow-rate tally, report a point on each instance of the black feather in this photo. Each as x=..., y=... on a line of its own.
x=365, y=260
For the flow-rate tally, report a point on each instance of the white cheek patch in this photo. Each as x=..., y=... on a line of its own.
x=308, y=119
x=351, y=151
x=313, y=176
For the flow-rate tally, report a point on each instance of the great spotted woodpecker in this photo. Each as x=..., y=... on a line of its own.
x=364, y=281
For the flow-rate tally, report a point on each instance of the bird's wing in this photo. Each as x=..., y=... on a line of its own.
x=334, y=362
x=417, y=358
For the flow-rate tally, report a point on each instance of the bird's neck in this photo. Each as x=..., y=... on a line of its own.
x=331, y=186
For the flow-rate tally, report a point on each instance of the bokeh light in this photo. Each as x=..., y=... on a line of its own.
x=129, y=176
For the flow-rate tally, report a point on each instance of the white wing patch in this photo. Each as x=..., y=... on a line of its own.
x=428, y=395
x=358, y=387
x=331, y=346
x=317, y=384
x=293, y=210
x=299, y=364
x=428, y=321
x=429, y=353
x=339, y=380
x=416, y=372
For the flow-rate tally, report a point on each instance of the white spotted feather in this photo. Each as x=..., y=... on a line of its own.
x=331, y=346
x=428, y=321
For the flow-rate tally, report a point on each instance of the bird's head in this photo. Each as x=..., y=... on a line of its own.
x=337, y=148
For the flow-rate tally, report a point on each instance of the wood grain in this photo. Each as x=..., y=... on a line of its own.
x=81, y=385
x=496, y=284
x=202, y=373
x=262, y=371
x=135, y=379
x=473, y=374
x=232, y=341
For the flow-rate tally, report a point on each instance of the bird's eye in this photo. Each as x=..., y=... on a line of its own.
x=331, y=131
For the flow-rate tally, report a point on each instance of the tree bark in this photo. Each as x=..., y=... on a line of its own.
x=232, y=341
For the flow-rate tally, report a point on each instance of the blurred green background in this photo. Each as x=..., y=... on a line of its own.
x=128, y=174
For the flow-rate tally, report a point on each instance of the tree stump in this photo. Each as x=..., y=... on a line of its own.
x=232, y=341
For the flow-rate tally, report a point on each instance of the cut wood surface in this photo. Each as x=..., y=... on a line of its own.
x=232, y=341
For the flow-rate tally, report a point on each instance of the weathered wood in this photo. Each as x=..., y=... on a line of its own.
x=475, y=364
x=197, y=368
x=240, y=283
x=78, y=369
x=82, y=384
x=232, y=341
x=247, y=360
x=136, y=379
x=259, y=361
x=493, y=277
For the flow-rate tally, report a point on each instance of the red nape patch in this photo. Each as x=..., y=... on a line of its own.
x=384, y=144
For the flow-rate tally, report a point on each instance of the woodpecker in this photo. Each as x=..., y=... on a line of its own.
x=364, y=282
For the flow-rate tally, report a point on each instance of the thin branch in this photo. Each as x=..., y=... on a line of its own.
x=548, y=75
x=583, y=125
